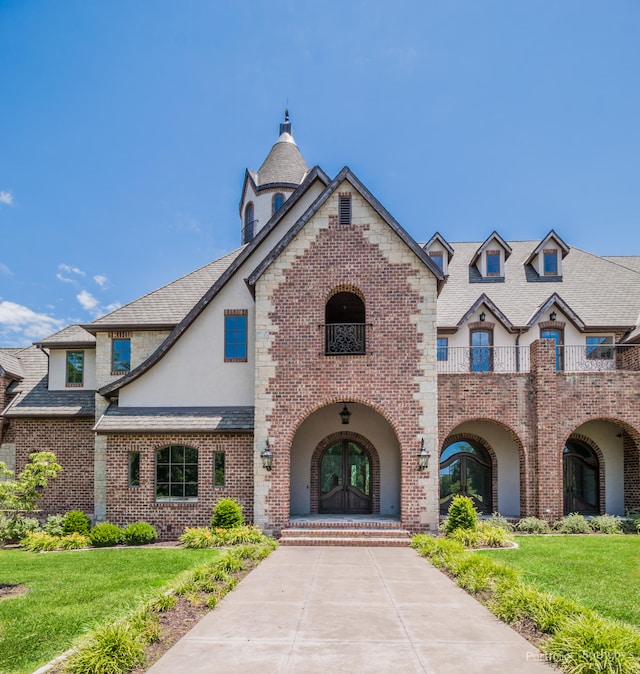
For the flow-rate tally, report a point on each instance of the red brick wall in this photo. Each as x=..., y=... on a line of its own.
x=129, y=504
x=384, y=379
x=71, y=440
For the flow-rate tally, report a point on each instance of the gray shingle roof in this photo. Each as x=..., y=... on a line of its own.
x=284, y=164
x=175, y=419
x=74, y=335
x=168, y=305
x=10, y=364
x=32, y=399
x=602, y=293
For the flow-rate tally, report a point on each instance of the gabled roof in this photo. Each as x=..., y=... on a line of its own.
x=175, y=420
x=437, y=237
x=556, y=301
x=349, y=176
x=487, y=302
x=71, y=336
x=487, y=241
x=166, y=307
x=31, y=397
x=241, y=257
x=602, y=293
x=10, y=363
x=551, y=235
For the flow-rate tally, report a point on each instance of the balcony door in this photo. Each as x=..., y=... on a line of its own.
x=345, y=325
x=345, y=479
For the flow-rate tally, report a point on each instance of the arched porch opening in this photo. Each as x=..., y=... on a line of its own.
x=361, y=457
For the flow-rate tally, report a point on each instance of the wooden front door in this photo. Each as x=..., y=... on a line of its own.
x=345, y=479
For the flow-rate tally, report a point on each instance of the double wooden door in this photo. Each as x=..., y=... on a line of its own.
x=345, y=479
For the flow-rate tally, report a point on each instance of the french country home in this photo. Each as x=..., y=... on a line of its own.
x=334, y=366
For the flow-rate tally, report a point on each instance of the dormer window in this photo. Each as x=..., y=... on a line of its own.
x=438, y=257
x=550, y=261
x=493, y=263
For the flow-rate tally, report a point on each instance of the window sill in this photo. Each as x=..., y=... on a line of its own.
x=68, y=385
x=177, y=501
x=119, y=372
x=235, y=360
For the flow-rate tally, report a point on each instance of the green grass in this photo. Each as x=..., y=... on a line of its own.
x=599, y=572
x=71, y=592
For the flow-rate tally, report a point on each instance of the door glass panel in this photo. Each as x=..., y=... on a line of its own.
x=556, y=336
x=331, y=468
x=478, y=482
x=450, y=484
x=480, y=351
x=359, y=468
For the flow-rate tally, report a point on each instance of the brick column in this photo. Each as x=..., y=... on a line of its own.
x=546, y=457
x=631, y=472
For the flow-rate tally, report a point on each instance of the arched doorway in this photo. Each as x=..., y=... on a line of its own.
x=465, y=469
x=345, y=479
x=581, y=479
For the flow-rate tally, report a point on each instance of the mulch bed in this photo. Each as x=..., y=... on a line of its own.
x=7, y=591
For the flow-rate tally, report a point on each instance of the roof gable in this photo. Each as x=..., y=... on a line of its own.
x=346, y=175
x=493, y=236
x=545, y=242
x=438, y=238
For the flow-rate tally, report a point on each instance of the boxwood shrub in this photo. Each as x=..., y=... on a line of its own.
x=105, y=534
x=139, y=533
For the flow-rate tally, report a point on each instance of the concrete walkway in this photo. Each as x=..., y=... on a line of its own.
x=339, y=609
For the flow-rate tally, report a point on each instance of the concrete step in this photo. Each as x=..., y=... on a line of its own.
x=314, y=532
x=347, y=532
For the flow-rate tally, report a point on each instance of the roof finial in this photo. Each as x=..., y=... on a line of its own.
x=285, y=127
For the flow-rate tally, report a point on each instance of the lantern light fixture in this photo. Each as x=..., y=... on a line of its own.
x=345, y=414
x=423, y=457
x=482, y=316
x=553, y=315
x=267, y=456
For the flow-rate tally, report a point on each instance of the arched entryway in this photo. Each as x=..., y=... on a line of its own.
x=345, y=479
x=465, y=469
x=581, y=479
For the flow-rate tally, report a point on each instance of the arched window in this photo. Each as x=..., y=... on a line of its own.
x=247, y=230
x=276, y=203
x=581, y=479
x=465, y=469
x=344, y=325
x=177, y=473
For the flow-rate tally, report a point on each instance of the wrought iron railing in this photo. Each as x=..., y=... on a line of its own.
x=342, y=339
x=483, y=359
x=579, y=358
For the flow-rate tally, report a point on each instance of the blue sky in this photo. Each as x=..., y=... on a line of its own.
x=126, y=128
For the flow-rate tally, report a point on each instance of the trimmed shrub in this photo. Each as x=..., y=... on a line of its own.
x=105, y=534
x=572, y=524
x=606, y=524
x=227, y=513
x=54, y=526
x=76, y=521
x=14, y=529
x=139, y=533
x=461, y=515
x=533, y=525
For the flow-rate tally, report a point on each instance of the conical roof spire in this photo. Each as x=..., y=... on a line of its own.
x=284, y=163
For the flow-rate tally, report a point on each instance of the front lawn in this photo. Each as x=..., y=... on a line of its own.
x=70, y=592
x=599, y=572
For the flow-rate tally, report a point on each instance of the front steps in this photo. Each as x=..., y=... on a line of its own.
x=352, y=532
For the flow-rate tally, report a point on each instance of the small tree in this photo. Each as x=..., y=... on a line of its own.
x=461, y=515
x=21, y=493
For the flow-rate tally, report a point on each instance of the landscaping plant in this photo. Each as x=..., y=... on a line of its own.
x=533, y=525
x=461, y=515
x=227, y=513
x=139, y=533
x=14, y=528
x=573, y=524
x=606, y=524
x=75, y=521
x=105, y=534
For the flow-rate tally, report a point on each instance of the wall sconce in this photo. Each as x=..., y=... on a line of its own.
x=423, y=457
x=482, y=316
x=553, y=316
x=267, y=457
x=345, y=414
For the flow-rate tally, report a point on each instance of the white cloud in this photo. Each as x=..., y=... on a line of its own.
x=101, y=280
x=68, y=269
x=6, y=198
x=5, y=270
x=22, y=324
x=87, y=300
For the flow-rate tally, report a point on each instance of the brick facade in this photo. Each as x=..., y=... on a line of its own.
x=396, y=377
x=127, y=504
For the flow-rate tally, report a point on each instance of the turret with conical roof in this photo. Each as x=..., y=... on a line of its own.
x=264, y=192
